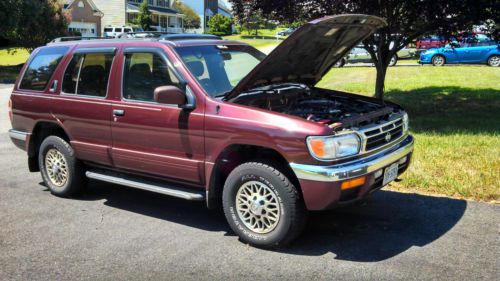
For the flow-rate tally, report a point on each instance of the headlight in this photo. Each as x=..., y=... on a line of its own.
x=333, y=147
x=406, y=123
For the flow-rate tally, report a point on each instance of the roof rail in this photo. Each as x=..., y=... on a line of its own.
x=75, y=38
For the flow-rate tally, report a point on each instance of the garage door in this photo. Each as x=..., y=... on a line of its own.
x=85, y=28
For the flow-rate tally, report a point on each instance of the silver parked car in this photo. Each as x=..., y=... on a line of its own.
x=360, y=55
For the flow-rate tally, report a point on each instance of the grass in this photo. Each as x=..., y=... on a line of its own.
x=11, y=61
x=13, y=56
x=455, y=118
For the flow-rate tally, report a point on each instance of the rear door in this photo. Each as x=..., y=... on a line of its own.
x=151, y=138
x=83, y=106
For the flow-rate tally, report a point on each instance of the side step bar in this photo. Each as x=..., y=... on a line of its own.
x=146, y=185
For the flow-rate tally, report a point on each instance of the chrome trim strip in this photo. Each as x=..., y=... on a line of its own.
x=354, y=168
x=18, y=135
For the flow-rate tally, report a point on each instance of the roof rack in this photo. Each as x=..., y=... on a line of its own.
x=75, y=38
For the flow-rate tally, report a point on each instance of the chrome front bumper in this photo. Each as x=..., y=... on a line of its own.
x=356, y=168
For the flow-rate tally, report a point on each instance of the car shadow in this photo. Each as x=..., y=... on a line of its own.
x=387, y=224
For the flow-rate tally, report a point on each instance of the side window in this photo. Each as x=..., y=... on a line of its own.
x=127, y=30
x=41, y=68
x=143, y=73
x=118, y=29
x=88, y=74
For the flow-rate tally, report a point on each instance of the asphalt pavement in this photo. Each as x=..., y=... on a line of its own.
x=118, y=233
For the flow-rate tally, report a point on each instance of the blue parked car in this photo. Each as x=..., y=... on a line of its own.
x=485, y=52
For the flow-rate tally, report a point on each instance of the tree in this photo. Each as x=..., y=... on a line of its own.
x=144, y=17
x=406, y=20
x=32, y=23
x=220, y=25
x=191, y=18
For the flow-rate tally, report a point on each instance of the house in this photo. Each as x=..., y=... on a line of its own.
x=85, y=17
x=206, y=9
x=123, y=12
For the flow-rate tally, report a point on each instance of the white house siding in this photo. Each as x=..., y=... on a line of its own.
x=113, y=10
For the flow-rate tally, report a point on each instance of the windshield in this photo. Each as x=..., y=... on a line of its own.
x=219, y=68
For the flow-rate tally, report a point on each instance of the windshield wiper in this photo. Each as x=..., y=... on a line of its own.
x=222, y=95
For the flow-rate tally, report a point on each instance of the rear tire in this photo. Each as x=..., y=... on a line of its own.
x=494, y=61
x=438, y=60
x=62, y=173
x=262, y=206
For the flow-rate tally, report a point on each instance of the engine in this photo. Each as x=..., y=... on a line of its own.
x=322, y=106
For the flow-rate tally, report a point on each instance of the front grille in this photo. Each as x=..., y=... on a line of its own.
x=382, y=135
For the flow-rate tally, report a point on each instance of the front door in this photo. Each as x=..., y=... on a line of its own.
x=156, y=139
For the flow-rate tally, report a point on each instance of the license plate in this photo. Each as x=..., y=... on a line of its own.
x=390, y=173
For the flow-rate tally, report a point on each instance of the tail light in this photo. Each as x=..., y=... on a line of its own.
x=10, y=110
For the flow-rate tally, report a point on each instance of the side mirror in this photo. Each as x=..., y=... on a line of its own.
x=169, y=95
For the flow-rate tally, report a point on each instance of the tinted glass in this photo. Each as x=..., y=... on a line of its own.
x=219, y=68
x=108, y=29
x=41, y=68
x=127, y=30
x=143, y=73
x=88, y=74
x=118, y=29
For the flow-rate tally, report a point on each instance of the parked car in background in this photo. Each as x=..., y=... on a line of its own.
x=429, y=42
x=115, y=31
x=465, y=53
x=212, y=120
x=360, y=55
x=285, y=32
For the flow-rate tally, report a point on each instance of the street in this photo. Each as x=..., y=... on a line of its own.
x=113, y=232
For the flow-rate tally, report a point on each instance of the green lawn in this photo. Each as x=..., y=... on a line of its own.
x=455, y=118
x=13, y=56
x=11, y=61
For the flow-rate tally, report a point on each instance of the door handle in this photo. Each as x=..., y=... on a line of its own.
x=118, y=112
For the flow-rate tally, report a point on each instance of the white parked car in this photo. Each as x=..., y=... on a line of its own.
x=115, y=31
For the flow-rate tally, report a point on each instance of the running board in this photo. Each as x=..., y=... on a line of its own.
x=146, y=185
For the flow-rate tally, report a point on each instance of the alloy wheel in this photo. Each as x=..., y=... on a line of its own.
x=56, y=167
x=258, y=207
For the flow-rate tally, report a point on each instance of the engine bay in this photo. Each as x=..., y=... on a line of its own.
x=335, y=109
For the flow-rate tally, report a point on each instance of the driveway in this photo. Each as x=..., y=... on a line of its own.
x=114, y=232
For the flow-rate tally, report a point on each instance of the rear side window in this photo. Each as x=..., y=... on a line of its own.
x=127, y=30
x=108, y=29
x=143, y=73
x=41, y=68
x=88, y=75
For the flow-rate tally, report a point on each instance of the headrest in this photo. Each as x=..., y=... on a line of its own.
x=141, y=68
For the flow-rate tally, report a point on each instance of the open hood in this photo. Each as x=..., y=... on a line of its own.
x=310, y=51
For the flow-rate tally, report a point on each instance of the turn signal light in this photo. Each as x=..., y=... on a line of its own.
x=318, y=147
x=353, y=183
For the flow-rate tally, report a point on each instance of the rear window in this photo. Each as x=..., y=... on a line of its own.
x=88, y=75
x=42, y=66
x=108, y=29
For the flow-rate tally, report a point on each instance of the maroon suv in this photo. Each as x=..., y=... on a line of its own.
x=214, y=120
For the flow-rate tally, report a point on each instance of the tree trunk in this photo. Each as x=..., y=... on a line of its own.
x=380, y=81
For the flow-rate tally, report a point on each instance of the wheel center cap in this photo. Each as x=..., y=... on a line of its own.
x=55, y=168
x=257, y=206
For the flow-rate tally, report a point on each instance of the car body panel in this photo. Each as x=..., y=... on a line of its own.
x=310, y=51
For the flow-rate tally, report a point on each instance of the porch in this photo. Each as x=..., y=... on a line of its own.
x=164, y=19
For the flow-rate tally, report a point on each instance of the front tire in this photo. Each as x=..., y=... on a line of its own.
x=494, y=61
x=262, y=206
x=340, y=63
x=438, y=60
x=61, y=172
x=393, y=61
